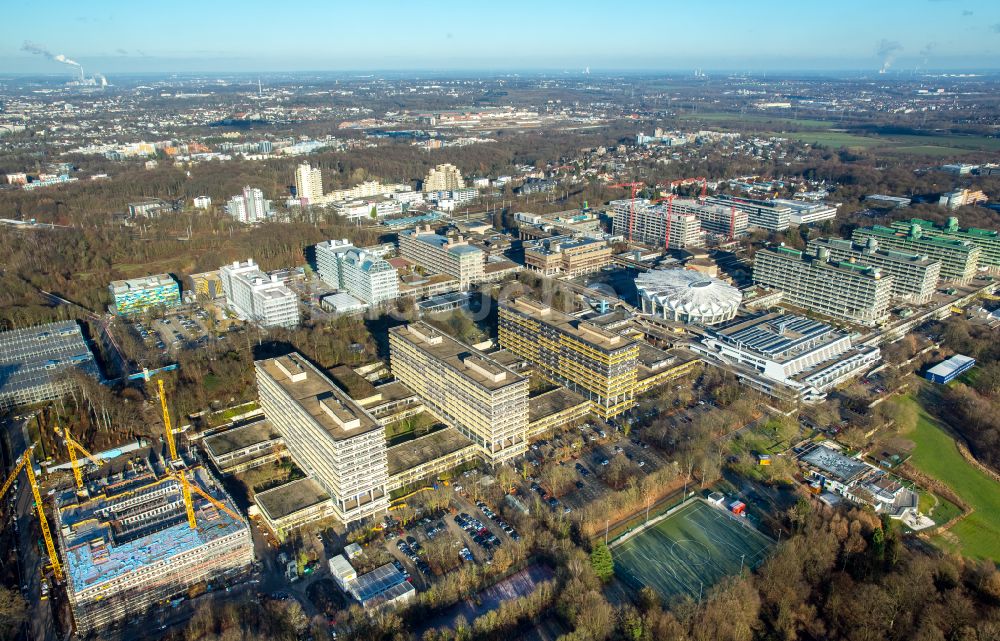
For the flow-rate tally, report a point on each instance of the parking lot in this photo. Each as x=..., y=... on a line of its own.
x=178, y=330
x=588, y=451
x=439, y=543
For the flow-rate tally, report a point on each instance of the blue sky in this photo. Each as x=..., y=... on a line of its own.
x=220, y=35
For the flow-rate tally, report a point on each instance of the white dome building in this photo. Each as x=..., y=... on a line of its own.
x=687, y=296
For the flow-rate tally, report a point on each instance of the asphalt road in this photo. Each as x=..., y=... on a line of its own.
x=41, y=623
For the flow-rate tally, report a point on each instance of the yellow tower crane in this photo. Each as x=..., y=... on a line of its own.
x=28, y=467
x=171, y=445
x=187, y=486
x=73, y=446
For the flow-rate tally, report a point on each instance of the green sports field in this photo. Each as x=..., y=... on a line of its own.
x=689, y=551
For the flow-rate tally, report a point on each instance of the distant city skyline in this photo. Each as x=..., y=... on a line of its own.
x=118, y=37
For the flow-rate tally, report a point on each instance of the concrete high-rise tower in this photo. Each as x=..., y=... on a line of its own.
x=308, y=183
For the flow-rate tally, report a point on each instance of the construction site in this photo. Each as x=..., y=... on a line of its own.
x=144, y=531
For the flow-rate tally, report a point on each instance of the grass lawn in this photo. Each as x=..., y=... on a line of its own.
x=935, y=454
x=755, y=117
x=837, y=139
x=689, y=551
x=927, y=150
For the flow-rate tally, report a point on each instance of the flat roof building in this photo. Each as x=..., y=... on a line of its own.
x=138, y=295
x=290, y=506
x=257, y=297
x=806, y=213
x=657, y=225
x=566, y=255
x=207, y=284
x=882, y=200
x=330, y=436
x=987, y=240
x=719, y=220
x=948, y=370
x=365, y=276
x=442, y=255
x=34, y=362
x=429, y=456
x=554, y=410
x=847, y=291
x=914, y=276
x=787, y=355
x=484, y=400
x=245, y=447
x=593, y=362
x=959, y=258
x=762, y=214
x=129, y=547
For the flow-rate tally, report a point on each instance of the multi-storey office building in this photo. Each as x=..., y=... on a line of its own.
x=566, y=255
x=762, y=214
x=34, y=362
x=257, y=297
x=137, y=295
x=715, y=219
x=593, y=362
x=362, y=275
x=487, y=402
x=959, y=257
x=443, y=255
x=643, y=222
x=848, y=291
x=914, y=277
x=331, y=437
x=309, y=183
x=988, y=241
x=806, y=213
x=128, y=547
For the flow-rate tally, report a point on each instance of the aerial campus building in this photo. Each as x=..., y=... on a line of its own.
x=843, y=290
x=365, y=276
x=593, y=362
x=35, y=361
x=719, y=220
x=336, y=441
x=787, y=356
x=948, y=370
x=566, y=255
x=687, y=296
x=988, y=241
x=959, y=257
x=914, y=277
x=763, y=214
x=128, y=547
x=137, y=295
x=486, y=402
x=443, y=255
x=257, y=297
x=656, y=225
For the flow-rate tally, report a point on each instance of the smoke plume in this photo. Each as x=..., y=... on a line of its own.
x=42, y=51
x=886, y=51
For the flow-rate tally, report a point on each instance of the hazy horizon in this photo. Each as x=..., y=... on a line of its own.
x=638, y=36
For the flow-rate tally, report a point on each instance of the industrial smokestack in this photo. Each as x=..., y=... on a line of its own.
x=55, y=57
